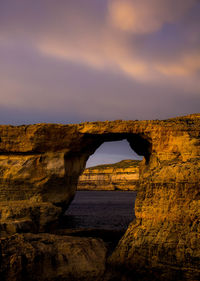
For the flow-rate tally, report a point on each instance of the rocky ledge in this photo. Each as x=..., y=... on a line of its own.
x=39, y=170
x=123, y=175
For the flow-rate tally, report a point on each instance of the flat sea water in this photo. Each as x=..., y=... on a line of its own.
x=112, y=210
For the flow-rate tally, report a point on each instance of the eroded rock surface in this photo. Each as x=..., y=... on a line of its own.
x=40, y=164
x=123, y=175
x=41, y=257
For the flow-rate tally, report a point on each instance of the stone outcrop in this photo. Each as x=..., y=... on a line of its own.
x=39, y=257
x=40, y=164
x=123, y=175
x=26, y=216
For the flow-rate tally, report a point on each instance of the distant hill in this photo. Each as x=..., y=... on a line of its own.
x=122, y=164
x=123, y=175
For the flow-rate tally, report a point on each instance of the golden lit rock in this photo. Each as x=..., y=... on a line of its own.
x=40, y=166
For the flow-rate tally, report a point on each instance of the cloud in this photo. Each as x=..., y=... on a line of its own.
x=95, y=34
x=187, y=65
x=102, y=45
x=112, y=55
x=73, y=59
x=146, y=16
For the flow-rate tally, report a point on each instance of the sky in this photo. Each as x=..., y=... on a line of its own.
x=70, y=61
x=112, y=152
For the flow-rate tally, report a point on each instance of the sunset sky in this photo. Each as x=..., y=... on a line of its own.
x=70, y=61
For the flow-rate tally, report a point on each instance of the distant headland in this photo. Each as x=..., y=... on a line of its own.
x=123, y=175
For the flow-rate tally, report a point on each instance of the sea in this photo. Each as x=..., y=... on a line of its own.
x=112, y=210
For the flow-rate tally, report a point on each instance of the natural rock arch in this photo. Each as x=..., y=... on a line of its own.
x=40, y=165
x=75, y=162
x=113, y=166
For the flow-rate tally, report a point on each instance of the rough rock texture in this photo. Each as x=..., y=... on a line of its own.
x=42, y=257
x=41, y=163
x=164, y=240
x=123, y=175
x=27, y=216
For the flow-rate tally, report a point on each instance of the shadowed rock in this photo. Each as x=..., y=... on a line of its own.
x=38, y=257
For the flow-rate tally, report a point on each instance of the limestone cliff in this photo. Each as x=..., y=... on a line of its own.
x=40, y=165
x=123, y=175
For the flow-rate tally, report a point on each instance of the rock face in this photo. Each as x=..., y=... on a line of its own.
x=39, y=257
x=123, y=175
x=40, y=165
